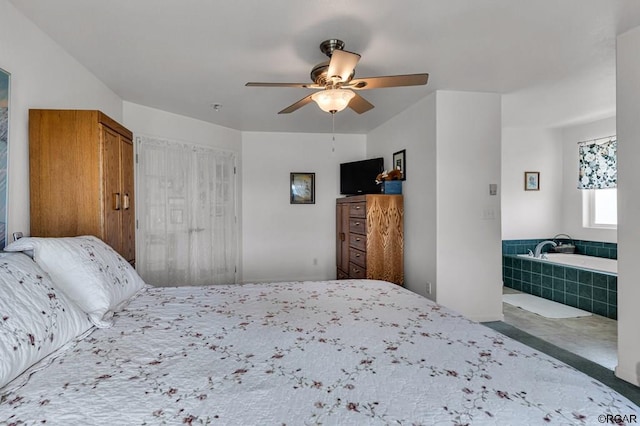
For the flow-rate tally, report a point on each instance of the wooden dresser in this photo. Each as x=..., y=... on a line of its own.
x=370, y=237
x=81, y=177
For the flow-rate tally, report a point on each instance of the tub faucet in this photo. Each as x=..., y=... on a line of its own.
x=562, y=235
x=538, y=251
x=566, y=237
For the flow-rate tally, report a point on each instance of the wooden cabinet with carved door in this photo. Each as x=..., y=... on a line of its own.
x=370, y=237
x=81, y=177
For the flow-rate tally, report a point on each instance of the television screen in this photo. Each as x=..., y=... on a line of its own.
x=359, y=177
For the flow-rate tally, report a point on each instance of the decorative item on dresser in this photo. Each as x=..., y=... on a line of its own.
x=81, y=177
x=370, y=237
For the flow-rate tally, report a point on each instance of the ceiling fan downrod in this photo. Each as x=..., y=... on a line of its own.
x=328, y=46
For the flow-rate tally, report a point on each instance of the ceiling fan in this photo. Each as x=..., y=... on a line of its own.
x=336, y=84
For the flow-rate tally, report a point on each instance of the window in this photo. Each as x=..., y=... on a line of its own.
x=598, y=180
x=600, y=208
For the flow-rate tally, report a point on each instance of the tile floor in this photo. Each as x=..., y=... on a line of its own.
x=594, y=338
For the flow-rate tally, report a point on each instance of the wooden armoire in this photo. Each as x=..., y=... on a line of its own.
x=370, y=237
x=81, y=177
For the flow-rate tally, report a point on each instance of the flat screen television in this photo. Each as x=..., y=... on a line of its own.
x=359, y=177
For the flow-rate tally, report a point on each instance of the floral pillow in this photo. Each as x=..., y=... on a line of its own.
x=90, y=272
x=35, y=317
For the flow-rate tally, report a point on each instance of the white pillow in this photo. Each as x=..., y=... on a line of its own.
x=35, y=317
x=90, y=272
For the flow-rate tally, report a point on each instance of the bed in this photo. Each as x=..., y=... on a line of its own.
x=333, y=352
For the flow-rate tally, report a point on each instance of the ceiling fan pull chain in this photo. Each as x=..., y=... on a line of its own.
x=333, y=131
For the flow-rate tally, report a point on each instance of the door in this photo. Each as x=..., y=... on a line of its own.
x=128, y=201
x=187, y=214
x=118, y=201
x=112, y=195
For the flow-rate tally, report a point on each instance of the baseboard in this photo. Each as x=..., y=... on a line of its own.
x=490, y=318
x=627, y=376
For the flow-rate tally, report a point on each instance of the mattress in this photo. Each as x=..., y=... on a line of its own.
x=346, y=352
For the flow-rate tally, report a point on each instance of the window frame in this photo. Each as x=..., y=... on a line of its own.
x=589, y=209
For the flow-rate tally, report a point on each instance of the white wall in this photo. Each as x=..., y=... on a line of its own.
x=452, y=224
x=42, y=76
x=414, y=130
x=557, y=207
x=154, y=122
x=283, y=241
x=469, y=254
x=571, y=195
x=628, y=132
x=531, y=214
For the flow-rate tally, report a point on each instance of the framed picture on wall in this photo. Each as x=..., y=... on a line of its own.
x=531, y=181
x=303, y=188
x=400, y=162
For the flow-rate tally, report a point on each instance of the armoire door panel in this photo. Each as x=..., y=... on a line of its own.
x=128, y=203
x=112, y=195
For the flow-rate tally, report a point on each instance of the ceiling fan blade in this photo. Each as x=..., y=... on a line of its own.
x=301, y=85
x=360, y=104
x=342, y=64
x=293, y=107
x=388, y=81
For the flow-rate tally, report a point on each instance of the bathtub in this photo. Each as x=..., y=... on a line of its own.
x=592, y=263
x=585, y=282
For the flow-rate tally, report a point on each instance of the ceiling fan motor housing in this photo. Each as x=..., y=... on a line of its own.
x=319, y=72
x=328, y=46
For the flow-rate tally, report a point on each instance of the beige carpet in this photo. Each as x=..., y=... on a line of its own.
x=544, y=307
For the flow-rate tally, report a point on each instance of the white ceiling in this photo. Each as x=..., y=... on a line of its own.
x=554, y=60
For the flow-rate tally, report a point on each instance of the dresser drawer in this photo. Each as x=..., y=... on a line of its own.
x=357, y=271
x=358, y=225
x=358, y=209
x=341, y=275
x=358, y=257
x=358, y=241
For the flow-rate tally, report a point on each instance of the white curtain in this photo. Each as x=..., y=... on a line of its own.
x=187, y=229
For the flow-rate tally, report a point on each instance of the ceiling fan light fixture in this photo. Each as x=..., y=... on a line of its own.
x=333, y=100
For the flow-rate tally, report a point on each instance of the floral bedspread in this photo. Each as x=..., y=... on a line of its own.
x=338, y=352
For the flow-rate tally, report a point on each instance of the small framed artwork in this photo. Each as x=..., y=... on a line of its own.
x=531, y=181
x=303, y=188
x=400, y=162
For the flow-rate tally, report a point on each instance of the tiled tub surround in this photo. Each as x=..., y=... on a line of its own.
x=591, y=291
x=590, y=248
x=580, y=261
